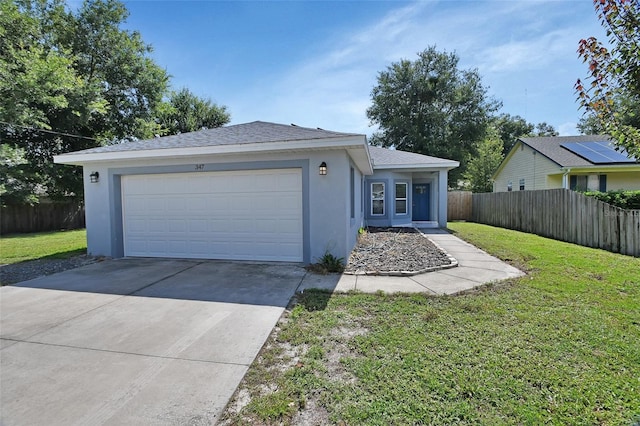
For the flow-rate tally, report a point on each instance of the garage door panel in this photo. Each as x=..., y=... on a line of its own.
x=220, y=215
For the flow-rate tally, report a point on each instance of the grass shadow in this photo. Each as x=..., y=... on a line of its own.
x=63, y=254
x=313, y=299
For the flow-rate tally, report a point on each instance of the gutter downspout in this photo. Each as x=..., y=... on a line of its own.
x=565, y=177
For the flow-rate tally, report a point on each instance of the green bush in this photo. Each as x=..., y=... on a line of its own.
x=328, y=263
x=624, y=199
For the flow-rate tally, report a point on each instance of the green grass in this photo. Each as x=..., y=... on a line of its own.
x=558, y=346
x=54, y=245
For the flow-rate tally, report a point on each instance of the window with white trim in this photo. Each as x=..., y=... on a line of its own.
x=377, y=199
x=401, y=198
x=522, y=184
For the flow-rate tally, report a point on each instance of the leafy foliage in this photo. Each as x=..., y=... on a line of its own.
x=431, y=107
x=486, y=161
x=327, y=264
x=612, y=94
x=15, y=178
x=185, y=112
x=623, y=199
x=75, y=79
x=510, y=128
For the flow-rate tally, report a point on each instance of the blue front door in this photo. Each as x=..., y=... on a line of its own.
x=420, y=209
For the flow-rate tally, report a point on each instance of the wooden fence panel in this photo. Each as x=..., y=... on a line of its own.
x=41, y=217
x=563, y=215
x=459, y=205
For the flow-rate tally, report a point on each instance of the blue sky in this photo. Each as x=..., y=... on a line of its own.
x=314, y=63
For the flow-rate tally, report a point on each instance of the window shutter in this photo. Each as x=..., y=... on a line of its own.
x=603, y=183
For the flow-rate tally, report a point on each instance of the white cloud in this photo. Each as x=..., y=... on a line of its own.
x=568, y=129
x=509, y=42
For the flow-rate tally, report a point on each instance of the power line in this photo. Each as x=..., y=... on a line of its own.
x=49, y=131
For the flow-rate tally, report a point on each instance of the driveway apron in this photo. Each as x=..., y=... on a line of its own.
x=135, y=341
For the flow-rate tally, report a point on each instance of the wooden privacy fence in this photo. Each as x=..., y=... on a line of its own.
x=563, y=215
x=41, y=217
x=459, y=205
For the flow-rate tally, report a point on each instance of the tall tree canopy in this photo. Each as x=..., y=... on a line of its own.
x=612, y=91
x=72, y=80
x=502, y=134
x=185, y=112
x=431, y=107
x=483, y=165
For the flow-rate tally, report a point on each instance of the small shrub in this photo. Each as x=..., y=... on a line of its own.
x=328, y=263
x=332, y=263
x=623, y=199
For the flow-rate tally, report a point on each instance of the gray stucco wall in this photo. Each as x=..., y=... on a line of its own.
x=326, y=199
x=437, y=179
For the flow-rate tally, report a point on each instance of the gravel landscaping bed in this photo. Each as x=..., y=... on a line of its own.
x=23, y=271
x=396, y=251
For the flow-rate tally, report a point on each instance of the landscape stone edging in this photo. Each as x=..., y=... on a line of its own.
x=453, y=264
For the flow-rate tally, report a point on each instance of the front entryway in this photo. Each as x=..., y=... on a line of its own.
x=420, y=206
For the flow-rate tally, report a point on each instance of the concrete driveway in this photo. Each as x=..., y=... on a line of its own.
x=135, y=341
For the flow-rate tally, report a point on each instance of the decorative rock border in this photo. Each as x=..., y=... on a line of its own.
x=453, y=263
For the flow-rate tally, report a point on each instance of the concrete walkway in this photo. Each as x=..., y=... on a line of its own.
x=475, y=268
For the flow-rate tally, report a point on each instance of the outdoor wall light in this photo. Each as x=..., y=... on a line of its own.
x=95, y=177
x=323, y=169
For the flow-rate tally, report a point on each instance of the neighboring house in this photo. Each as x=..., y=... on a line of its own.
x=255, y=191
x=579, y=163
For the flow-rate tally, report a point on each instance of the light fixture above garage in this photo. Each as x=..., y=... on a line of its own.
x=323, y=169
x=95, y=177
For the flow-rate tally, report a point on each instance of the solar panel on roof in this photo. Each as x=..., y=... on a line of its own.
x=598, y=152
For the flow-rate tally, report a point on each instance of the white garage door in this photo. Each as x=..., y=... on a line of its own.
x=242, y=215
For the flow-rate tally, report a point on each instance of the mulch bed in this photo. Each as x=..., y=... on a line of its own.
x=396, y=251
x=23, y=271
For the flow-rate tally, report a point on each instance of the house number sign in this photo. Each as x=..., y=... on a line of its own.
x=199, y=167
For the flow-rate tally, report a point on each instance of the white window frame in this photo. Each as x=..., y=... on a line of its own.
x=373, y=198
x=405, y=199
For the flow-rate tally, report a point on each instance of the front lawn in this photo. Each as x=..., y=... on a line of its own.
x=560, y=346
x=54, y=245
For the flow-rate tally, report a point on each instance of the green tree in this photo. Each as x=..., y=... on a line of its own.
x=612, y=92
x=509, y=129
x=186, y=112
x=431, y=107
x=78, y=76
x=628, y=108
x=484, y=163
x=15, y=178
x=544, y=129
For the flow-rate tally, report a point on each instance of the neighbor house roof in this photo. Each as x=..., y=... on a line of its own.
x=384, y=158
x=550, y=147
x=257, y=136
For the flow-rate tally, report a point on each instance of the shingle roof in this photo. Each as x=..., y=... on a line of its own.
x=550, y=148
x=239, y=134
x=393, y=157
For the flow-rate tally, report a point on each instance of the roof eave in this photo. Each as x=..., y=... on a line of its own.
x=418, y=166
x=356, y=145
x=626, y=167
